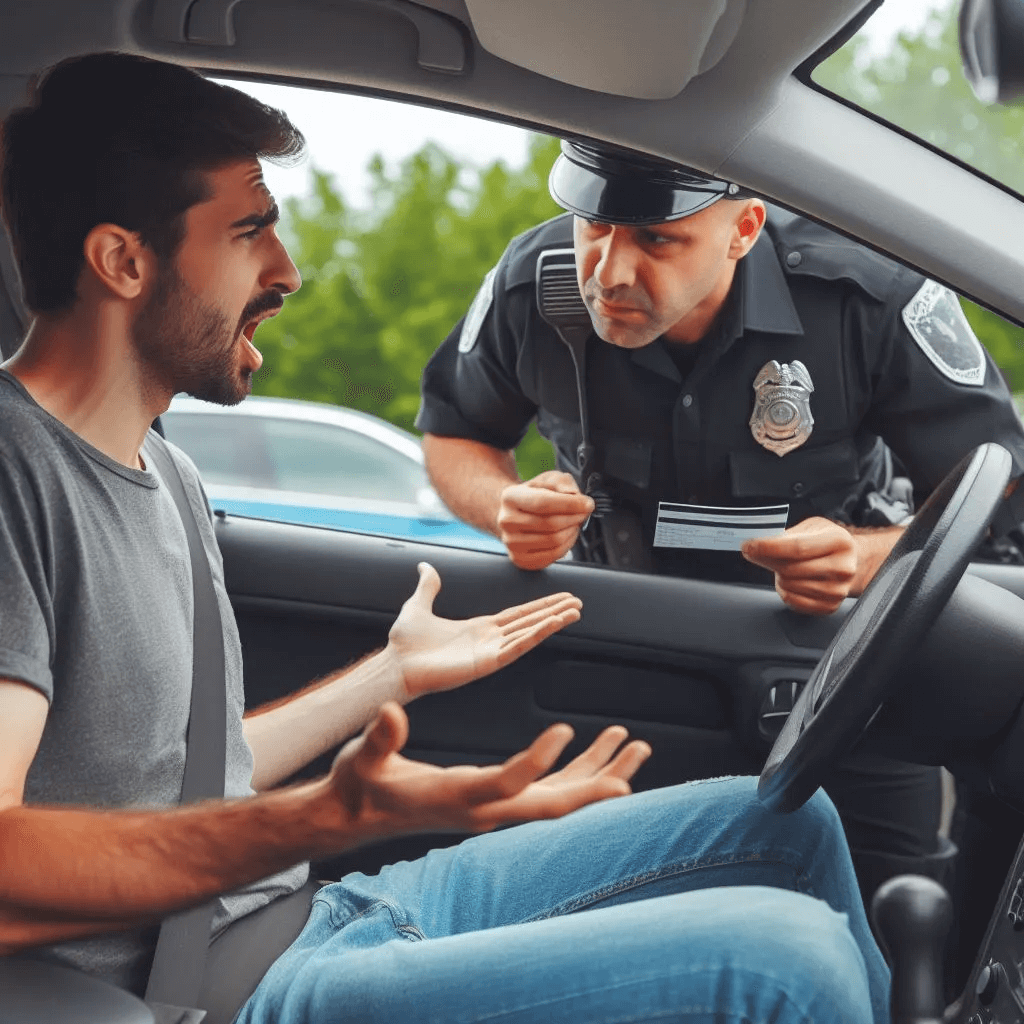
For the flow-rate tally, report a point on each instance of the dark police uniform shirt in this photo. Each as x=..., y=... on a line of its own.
x=802, y=293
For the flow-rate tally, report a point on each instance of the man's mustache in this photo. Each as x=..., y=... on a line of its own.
x=272, y=300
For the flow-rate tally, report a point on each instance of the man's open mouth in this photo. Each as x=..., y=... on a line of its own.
x=250, y=328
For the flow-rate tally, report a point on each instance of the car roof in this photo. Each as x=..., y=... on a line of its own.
x=744, y=110
x=308, y=412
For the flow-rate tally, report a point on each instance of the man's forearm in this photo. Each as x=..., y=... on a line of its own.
x=68, y=872
x=286, y=735
x=873, y=545
x=470, y=476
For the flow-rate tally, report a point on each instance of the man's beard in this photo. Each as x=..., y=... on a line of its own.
x=191, y=347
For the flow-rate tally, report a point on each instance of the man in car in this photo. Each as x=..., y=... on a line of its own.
x=743, y=366
x=145, y=239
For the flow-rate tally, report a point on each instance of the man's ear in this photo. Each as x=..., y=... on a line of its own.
x=747, y=226
x=118, y=261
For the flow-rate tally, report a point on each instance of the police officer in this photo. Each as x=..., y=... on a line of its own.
x=730, y=370
x=718, y=323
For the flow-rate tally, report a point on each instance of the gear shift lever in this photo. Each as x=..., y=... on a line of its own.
x=912, y=915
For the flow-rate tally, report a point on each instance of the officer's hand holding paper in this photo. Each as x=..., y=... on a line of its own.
x=818, y=563
x=540, y=519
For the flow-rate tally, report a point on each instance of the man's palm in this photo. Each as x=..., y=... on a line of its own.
x=385, y=794
x=440, y=654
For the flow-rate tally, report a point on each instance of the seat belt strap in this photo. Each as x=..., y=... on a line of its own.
x=180, y=959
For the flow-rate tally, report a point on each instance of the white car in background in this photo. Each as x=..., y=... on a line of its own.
x=308, y=462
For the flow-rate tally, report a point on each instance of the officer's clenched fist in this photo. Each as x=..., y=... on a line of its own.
x=540, y=519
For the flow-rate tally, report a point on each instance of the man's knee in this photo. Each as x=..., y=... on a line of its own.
x=811, y=970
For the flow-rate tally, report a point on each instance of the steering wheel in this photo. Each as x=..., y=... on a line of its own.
x=860, y=668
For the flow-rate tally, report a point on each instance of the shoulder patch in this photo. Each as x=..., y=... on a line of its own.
x=938, y=325
x=477, y=311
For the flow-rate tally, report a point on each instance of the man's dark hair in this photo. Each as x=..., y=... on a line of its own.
x=115, y=138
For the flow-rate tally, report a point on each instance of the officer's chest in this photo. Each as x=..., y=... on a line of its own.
x=697, y=430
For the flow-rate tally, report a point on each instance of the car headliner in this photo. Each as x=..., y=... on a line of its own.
x=748, y=117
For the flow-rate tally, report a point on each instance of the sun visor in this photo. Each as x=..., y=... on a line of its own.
x=644, y=50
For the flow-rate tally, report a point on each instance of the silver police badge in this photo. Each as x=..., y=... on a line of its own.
x=782, y=420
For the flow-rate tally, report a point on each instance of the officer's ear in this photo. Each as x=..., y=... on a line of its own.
x=748, y=220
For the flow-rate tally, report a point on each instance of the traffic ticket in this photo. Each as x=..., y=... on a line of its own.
x=715, y=528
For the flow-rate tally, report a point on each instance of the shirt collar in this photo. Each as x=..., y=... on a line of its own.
x=765, y=302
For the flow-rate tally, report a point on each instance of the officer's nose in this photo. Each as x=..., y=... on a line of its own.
x=616, y=265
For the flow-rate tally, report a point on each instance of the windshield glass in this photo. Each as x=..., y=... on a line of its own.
x=904, y=66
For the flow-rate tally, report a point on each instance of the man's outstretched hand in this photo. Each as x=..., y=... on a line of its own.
x=440, y=654
x=380, y=793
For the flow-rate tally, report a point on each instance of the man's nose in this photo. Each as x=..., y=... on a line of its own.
x=281, y=272
x=616, y=266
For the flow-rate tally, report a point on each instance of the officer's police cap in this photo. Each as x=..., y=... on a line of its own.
x=619, y=187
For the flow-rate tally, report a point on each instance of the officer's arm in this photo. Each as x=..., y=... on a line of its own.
x=538, y=521
x=470, y=476
x=938, y=393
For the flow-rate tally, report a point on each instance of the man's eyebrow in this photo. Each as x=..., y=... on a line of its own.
x=259, y=220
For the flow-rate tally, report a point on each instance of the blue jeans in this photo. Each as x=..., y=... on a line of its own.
x=691, y=903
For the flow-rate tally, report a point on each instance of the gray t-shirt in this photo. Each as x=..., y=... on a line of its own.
x=96, y=613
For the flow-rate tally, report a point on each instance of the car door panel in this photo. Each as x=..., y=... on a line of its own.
x=683, y=664
x=692, y=667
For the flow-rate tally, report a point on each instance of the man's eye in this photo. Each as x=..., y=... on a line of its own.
x=251, y=233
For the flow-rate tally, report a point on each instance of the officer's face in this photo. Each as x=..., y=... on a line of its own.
x=669, y=279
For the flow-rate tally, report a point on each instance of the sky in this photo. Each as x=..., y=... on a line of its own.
x=345, y=131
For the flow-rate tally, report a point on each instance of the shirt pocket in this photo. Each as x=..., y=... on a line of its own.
x=818, y=475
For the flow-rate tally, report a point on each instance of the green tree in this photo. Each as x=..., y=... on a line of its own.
x=382, y=289
x=919, y=85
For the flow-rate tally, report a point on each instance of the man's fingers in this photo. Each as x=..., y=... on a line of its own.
x=521, y=769
x=628, y=760
x=553, y=603
x=516, y=644
x=428, y=587
x=519, y=641
x=525, y=619
x=596, y=756
x=543, y=802
x=384, y=736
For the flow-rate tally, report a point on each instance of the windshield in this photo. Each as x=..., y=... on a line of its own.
x=904, y=66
